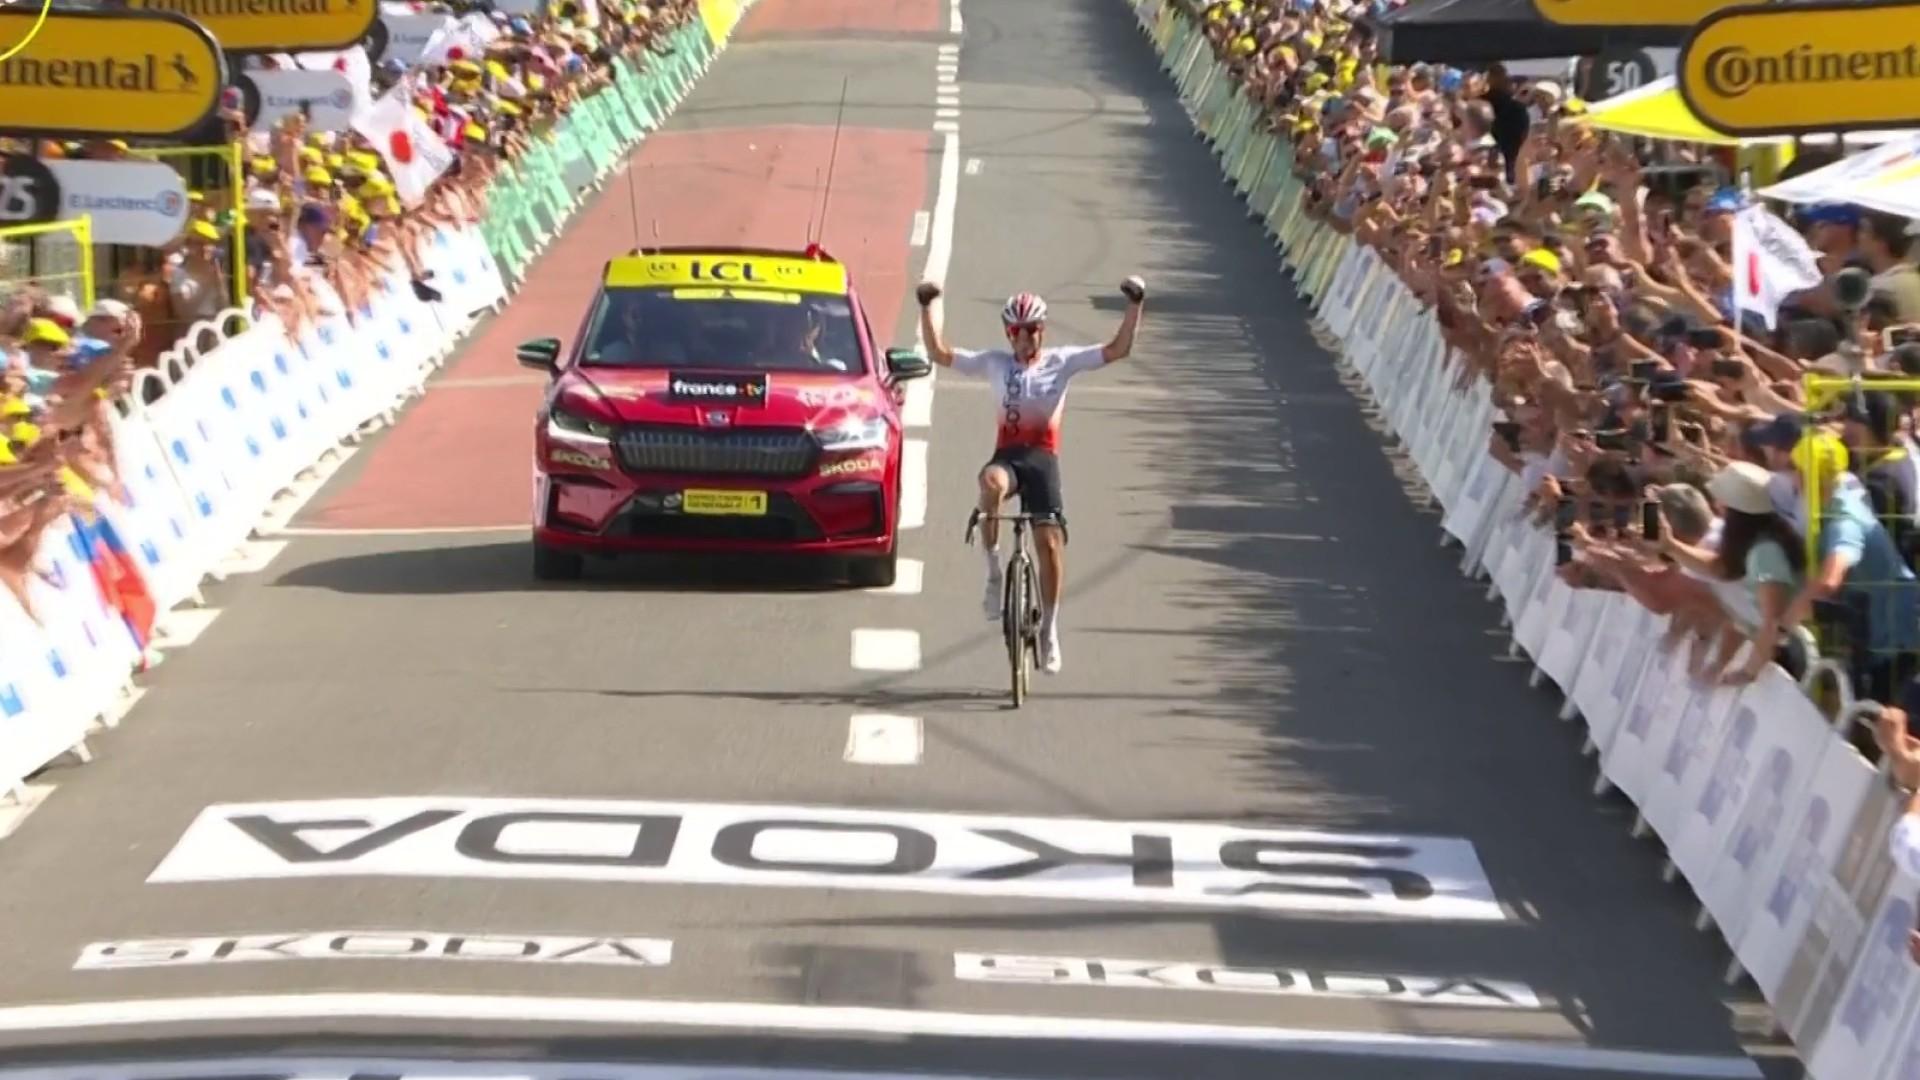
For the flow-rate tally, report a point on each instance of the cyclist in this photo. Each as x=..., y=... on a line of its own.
x=1031, y=381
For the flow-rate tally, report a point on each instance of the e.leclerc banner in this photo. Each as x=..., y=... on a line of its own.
x=88, y=73
x=254, y=26
x=1802, y=68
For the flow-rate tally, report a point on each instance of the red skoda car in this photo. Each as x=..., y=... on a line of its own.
x=721, y=400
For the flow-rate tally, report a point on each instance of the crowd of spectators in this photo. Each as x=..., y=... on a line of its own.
x=1664, y=433
x=324, y=219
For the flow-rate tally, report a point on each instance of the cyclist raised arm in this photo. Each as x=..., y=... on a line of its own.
x=1032, y=385
x=1122, y=344
x=936, y=342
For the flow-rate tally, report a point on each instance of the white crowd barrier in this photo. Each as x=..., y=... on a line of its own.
x=1776, y=823
x=233, y=423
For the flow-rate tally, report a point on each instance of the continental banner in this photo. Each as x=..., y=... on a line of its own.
x=1627, y=12
x=1802, y=68
x=89, y=73
x=720, y=17
x=254, y=26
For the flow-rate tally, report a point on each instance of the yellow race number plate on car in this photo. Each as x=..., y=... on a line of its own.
x=751, y=503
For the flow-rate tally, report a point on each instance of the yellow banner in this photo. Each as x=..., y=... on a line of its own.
x=274, y=25
x=724, y=269
x=1804, y=67
x=107, y=73
x=720, y=17
x=1628, y=12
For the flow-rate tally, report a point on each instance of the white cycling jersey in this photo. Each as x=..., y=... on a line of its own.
x=1032, y=396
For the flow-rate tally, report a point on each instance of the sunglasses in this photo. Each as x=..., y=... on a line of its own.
x=1025, y=328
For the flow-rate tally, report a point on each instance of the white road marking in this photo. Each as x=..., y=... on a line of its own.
x=946, y=113
x=183, y=626
x=917, y=412
x=863, y=1021
x=911, y=573
x=947, y=67
x=437, y=531
x=973, y=166
x=880, y=739
x=946, y=127
x=955, y=25
x=949, y=48
x=886, y=650
x=913, y=484
x=948, y=100
x=922, y=221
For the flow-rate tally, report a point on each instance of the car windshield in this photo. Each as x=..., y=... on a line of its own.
x=723, y=327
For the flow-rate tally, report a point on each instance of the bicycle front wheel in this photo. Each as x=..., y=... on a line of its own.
x=1013, y=618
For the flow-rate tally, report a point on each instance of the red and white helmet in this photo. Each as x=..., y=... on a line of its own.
x=1024, y=309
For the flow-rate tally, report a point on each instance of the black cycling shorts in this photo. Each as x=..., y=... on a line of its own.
x=1036, y=479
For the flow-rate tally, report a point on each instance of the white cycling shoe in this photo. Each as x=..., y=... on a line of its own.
x=1050, y=653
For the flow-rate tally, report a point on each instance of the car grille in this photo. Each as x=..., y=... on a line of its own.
x=750, y=452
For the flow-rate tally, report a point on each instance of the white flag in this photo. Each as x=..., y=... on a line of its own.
x=1770, y=262
x=415, y=156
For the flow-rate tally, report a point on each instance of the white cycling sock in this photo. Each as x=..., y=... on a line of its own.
x=1050, y=621
x=992, y=557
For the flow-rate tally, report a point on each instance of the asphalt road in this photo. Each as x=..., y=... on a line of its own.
x=1286, y=804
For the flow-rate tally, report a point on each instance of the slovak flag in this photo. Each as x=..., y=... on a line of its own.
x=415, y=156
x=1770, y=262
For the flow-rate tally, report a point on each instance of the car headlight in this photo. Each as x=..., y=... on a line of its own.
x=857, y=433
x=575, y=424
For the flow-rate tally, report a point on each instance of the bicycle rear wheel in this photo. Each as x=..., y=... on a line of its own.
x=1013, y=618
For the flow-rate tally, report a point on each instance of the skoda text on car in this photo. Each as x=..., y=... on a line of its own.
x=721, y=400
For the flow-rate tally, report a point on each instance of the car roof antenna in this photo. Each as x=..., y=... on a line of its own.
x=833, y=158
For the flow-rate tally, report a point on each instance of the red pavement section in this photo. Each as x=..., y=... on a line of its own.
x=781, y=18
x=460, y=458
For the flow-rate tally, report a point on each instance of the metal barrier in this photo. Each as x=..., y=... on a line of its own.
x=56, y=256
x=214, y=174
x=1762, y=803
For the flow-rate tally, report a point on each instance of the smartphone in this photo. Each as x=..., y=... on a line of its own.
x=1434, y=244
x=1705, y=337
x=1622, y=518
x=1562, y=551
x=1509, y=433
x=1895, y=336
x=1610, y=440
x=1564, y=515
x=1727, y=368
x=1650, y=519
x=1662, y=424
x=1643, y=369
x=1484, y=183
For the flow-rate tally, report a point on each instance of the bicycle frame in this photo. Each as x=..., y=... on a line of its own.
x=1020, y=603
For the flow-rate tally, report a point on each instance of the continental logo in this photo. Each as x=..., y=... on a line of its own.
x=274, y=25
x=1735, y=71
x=108, y=73
x=1787, y=69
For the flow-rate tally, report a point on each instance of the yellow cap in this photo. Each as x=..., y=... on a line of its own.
x=475, y=132
x=205, y=230
x=262, y=165
x=318, y=177
x=1542, y=258
x=376, y=186
x=1455, y=258
x=312, y=155
x=1821, y=457
x=45, y=332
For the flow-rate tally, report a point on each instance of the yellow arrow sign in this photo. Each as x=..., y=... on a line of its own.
x=106, y=73
x=1627, y=12
x=1766, y=69
x=245, y=26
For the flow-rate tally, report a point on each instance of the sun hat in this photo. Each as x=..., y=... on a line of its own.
x=1742, y=487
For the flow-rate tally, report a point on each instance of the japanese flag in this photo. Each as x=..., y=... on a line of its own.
x=415, y=156
x=1770, y=262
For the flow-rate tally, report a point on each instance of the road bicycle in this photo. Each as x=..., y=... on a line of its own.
x=1020, y=603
